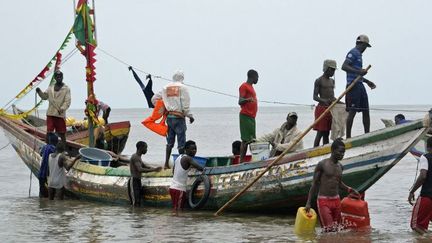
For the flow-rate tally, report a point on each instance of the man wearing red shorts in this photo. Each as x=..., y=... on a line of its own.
x=422, y=211
x=324, y=95
x=328, y=179
x=182, y=165
x=59, y=98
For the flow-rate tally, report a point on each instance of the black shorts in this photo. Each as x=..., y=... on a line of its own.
x=135, y=191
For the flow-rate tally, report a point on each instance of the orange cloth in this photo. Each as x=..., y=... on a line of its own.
x=159, y=112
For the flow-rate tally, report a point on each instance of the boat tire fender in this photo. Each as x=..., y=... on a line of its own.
x=202, y=201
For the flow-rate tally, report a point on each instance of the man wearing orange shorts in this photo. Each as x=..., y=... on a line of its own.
x=59, y=98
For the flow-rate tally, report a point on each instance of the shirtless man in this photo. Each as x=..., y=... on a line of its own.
x=328, y=179
x=137, y=167
x=324, y=95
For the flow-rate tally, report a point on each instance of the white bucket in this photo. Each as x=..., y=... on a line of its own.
x=260, y=151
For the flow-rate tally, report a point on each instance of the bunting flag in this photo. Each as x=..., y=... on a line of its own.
x=83, y=29
x=22, y=115
x=42, y=75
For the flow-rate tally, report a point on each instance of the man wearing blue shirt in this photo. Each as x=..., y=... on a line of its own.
x=357, y=98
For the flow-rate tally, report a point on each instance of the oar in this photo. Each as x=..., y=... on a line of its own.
x=295, y=141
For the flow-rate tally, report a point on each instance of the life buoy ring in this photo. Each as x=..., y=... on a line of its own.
x=193, y=203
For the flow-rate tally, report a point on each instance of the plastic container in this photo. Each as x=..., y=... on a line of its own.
x=201, y=160
x=95, y=156
x=260, y=151
x=355, y=213
x=305, y=222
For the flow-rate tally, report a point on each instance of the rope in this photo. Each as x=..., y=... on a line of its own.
x=4, y=146
x=235, y=96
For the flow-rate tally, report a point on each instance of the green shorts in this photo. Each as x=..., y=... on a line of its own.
x=247, y=128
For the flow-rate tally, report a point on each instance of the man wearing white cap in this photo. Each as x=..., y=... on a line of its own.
x=281, y=138
x=357, y=98
x=324, y=94
x=175, y=96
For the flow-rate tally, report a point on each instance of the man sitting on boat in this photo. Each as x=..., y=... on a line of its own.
x=59, y=98
x=137, y=166
x=328, y=180
x=281, y=138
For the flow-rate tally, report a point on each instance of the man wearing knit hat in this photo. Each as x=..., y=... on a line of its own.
x=357, y=98
x=324, y=95
x=175, y=96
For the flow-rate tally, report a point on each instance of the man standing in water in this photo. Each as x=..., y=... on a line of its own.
x=59, y=98
x=327, y=179
x=176, y=98
x=324, y=94
x=249, y=106
x=357, y=98
x=422, y=211
x=182, y=165
x=137, y=167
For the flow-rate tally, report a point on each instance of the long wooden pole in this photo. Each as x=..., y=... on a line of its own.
x=296, y=140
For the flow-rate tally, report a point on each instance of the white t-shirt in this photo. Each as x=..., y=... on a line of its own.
x=423, y=163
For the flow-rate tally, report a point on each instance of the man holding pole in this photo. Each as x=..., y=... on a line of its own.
x=357, y=98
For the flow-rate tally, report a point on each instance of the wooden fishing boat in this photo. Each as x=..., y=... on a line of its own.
x=367, y=158
x=116, y=134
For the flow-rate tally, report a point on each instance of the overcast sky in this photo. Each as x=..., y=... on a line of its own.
x=216, y=42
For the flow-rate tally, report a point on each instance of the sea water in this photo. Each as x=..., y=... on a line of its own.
x=26, y=218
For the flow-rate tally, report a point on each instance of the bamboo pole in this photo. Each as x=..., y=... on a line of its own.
x=295, y=141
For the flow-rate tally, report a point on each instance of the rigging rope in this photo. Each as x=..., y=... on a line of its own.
x=235, y=96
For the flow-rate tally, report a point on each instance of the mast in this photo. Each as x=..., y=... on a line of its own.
x=84, y=30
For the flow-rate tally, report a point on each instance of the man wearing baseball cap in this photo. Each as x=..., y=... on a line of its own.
x=357, y=98
x=281, y=138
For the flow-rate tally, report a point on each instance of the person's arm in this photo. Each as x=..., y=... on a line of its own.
x=316, y=96
x=315, y=185
x=419, y=182
x=347, y=67
x=42, y=95
x=143, y=168
x=185, y=101
x=242, y=96
x=269, y=137
x=66, y=103
x=62, y=162
x=193, y=163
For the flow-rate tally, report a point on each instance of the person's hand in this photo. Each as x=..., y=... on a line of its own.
x=149, y=77
x=363, y=72
x=130, y=68
x=38, y=89
x=307, y=207
x=355, y=192
x=411, y=198
x=250, y=99
x=191, y=120
x=371, y=85
x=60, y=111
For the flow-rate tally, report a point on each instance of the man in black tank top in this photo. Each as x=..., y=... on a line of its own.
x=422, y=211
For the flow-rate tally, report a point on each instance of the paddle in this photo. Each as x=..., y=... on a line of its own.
x=295, y=141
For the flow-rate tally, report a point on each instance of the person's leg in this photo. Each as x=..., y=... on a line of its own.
x=350, y=121
x=139, y=191
x=317, y=139
x=180, y=130
x=325, y=215
x=130, y=192
x=106, y=114
x=421, y=214
x=61, y=193
x=325, y=137
x=170, y=141
x=366, y=121
x=51, y=193
x=43, y=189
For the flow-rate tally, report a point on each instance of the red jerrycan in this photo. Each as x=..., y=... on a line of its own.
x=355, y=213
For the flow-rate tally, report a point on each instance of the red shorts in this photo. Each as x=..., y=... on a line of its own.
x=422, y=213
x=178, y=198
x=325, y=124
x=56, y=123
x=329, y=209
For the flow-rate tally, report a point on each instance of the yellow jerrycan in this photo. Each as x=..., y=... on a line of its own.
x=305, y=222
